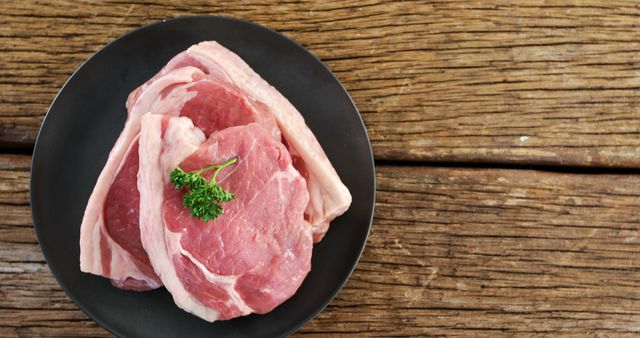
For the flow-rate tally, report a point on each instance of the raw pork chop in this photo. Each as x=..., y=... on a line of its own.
x=215, y=88
x=108, y=245
x=251, y=258
x=329, y=197
x=111, y=244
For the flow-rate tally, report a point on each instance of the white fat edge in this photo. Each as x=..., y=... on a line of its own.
x=94, y=265
x=91, y=225
x=151, y=199
x=317, y=227
x=223, y=59
x=182, y=297
x=213, y=67
x=124, y=159
x=148, y=182
x=121, y=258
x=90, y=261
x=148, y=96
x=181, y=139
x=121, y=264
x=92, y=222
x=167, y=161
x=228, y=283
x=172, y=104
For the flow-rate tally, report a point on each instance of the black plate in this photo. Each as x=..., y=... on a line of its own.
x=86, y=118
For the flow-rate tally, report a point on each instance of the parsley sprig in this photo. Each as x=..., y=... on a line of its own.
x=205, y=197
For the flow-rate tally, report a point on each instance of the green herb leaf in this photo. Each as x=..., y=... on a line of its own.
x=205, y=197
x=181, y=179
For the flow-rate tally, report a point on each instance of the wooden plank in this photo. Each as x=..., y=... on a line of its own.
x=452, y=252
x=495, y=252
x=529, y=82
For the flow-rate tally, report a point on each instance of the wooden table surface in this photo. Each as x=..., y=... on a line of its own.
x=507, y=147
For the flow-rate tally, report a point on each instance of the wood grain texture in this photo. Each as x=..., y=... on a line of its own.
x=456, y=252
x=553, y=82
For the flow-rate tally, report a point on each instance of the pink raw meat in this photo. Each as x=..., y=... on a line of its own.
x=215, y=88
x=110, y=245
x=329, y=197
x=251, y=258
x=100, y=253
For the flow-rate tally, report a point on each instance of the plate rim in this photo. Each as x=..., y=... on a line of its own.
x=175, y=20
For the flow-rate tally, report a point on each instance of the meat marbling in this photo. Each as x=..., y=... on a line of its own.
x=217, y=90
x=110, y=242
x=100, y=254
x=329, y=197
x=251, y=258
